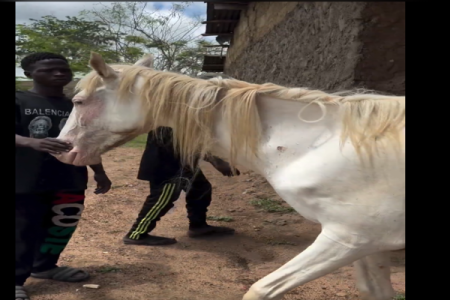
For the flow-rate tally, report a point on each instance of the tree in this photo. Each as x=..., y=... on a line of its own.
x=19, y=85
x=115, y=18
x=189, y=60
x=170, y=37
x=74, y=38
x=121, y=32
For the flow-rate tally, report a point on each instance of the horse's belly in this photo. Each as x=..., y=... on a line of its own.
x=331, y=188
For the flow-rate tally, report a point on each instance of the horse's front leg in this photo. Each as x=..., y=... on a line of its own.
x=325, y=255
x=373, y=277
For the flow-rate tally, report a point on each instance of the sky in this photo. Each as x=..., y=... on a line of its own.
x=36, y=10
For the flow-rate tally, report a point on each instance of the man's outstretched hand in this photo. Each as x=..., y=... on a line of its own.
x=103, y=183
x=50, y=145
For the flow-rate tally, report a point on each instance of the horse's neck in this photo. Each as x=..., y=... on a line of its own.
x=285, y=136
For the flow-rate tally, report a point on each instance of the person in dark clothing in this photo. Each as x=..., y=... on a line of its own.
x=49, y=194
x=167, y=177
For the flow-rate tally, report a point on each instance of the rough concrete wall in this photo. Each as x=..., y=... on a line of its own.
x=325, y=45
x=315, y=45
x=255, y=22
x=382, y=63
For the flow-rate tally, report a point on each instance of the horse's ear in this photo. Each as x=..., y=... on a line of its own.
x=146, y=61
x=99, y=65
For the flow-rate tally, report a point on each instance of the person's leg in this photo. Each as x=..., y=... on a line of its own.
x=30, y=211
x=160, y=166
x=157, y=204
x=198, y=199
x=60, y=223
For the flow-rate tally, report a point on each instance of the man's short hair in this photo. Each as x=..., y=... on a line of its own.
x=33, y=58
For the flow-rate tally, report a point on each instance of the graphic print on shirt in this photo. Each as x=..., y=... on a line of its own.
x=62, y=123
x=39, y=127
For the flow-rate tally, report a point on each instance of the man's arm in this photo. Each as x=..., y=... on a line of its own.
x=103, y=182
x=208, y=158
x=22, y=141
x=221, y=165
x=98, y=169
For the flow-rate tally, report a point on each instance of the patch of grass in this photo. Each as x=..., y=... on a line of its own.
x=279, y=243
x=220, y=219
x=271, y=206
x=138, y=142
x=118, y=186
x=108, y=270
x=399, y=297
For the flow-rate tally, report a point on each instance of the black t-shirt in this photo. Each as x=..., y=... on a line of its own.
x=40, y=117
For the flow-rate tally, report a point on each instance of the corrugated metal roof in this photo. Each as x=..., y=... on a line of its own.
x=214, y=28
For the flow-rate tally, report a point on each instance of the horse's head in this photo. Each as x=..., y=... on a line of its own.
x=101, y=119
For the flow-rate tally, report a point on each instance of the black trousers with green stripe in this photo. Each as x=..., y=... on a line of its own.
x=167, y=177
x=163, y=195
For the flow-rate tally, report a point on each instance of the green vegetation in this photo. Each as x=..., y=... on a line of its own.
x=74, y=38
x=139, y=142
x=122, y=32
x=108, y=269
x=19, y=85
x=279, y=243
x=118, y=186
x=220, y=219
x=271, y=206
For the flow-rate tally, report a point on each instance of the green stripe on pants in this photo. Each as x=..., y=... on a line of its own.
x=162, y=202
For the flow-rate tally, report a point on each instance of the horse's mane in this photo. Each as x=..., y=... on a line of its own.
x=368, y=119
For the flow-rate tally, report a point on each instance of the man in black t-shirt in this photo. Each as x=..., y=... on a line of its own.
x=49, y=194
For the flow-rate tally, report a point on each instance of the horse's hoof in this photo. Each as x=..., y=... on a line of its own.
x=252, y=295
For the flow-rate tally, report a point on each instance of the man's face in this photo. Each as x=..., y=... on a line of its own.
x=50, y=72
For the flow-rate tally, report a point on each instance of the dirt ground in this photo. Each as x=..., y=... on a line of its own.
x=213, y=269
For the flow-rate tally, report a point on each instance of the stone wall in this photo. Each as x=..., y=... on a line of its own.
x=325, y=45
x=382, y=63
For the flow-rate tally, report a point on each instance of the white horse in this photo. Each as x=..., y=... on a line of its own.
x=337, y=159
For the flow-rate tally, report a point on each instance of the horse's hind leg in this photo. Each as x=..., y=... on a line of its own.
x=322, y=257
x=373, y=277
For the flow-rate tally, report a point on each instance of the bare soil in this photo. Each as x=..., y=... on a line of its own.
x=206, y=269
